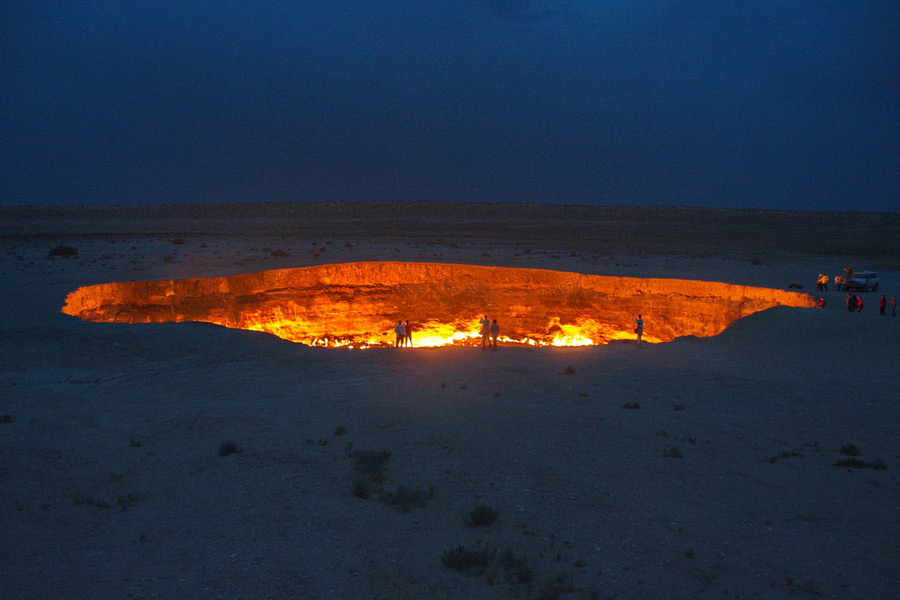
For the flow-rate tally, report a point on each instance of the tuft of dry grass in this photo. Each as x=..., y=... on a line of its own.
x=229, y=447
x=482, y=516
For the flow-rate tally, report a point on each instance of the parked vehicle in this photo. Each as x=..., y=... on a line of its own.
x=864, y=281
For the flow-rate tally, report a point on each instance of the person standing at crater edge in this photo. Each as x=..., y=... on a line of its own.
x=485, y=331
x=495, y=333
x=639, y=328
x=408, y=335
x=400, y=330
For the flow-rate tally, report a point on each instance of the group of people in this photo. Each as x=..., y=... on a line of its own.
x=489, y=333
x=404, y=334
x=855, y=304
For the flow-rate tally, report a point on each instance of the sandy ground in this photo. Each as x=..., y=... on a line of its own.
x=114, y=487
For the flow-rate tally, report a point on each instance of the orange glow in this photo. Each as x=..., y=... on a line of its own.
x=358, y=304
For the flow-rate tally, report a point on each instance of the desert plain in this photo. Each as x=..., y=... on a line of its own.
x=187, y=460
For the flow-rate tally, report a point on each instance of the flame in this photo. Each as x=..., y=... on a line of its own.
x=431, y=334
x=435, y=334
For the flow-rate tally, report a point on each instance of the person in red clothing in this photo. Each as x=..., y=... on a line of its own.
x=408, y=337
x=882, y=304
x=893, y=306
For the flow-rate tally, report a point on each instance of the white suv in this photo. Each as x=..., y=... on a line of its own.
x=863, y=281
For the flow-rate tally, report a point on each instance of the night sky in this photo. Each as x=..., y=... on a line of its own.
x=766, y=104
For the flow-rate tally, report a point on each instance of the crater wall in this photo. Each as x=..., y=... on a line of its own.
x=359, y=303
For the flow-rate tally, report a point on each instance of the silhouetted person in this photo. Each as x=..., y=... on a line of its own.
x=882, y=305
x=400, y=330
x=408, y=336
x=859, y=304
x=485, y=331
x=639, y=328
x=495, y=331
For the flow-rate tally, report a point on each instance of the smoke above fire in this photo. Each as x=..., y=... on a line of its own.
x=359, y=304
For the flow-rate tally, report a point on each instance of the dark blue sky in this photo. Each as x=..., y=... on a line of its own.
x=768, y=104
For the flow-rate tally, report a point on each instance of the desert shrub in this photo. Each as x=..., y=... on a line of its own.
x=340, y=430
x=559, y=586
x=678, y=407
x=631, y=405
x=280, y=254
x=673, y=452
x=361, y=488
x=63, y=251
x=126, y=500
x=178, y=241
x=135, y=443
x=466, y=559
x=369, y=462
x=855, y=463
x=85, y=500
x=570, y=370
x=229, y=447
x=5, y=419
x=850, y=450
x=510, y=561
x=405, y=499
x=783, y=454
x=482, y=516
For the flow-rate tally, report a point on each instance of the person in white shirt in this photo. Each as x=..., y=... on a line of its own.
x=485, y=331
x=400, y=330
x=639, y=328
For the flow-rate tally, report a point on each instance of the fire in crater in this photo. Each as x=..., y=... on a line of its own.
x=358, y=304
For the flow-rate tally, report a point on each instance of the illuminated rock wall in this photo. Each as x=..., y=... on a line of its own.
x=360, y=303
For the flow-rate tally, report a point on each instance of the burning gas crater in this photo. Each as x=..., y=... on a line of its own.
x=358, y=304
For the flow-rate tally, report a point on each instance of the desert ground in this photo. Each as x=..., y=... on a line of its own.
x=188, y=460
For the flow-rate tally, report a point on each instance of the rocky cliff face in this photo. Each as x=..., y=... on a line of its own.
x=360, y=303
